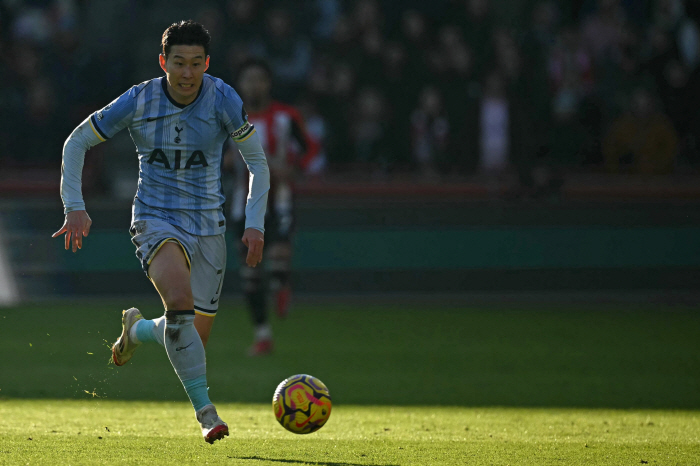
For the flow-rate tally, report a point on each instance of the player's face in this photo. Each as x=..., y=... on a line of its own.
x=254, y=84
x=184, y=67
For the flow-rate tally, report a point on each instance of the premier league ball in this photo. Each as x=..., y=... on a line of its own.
x=301, y=404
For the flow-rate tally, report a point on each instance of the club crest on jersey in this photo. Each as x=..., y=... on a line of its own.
x=177, y=138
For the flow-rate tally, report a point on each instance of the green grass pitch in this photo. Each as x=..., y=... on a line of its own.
x=412, y=384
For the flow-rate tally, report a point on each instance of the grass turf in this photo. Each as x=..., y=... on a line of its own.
x=411, y=384
x=109, y=432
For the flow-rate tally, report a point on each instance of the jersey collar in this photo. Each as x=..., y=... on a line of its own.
x=164, y=85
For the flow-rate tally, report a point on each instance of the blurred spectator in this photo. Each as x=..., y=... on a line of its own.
x=570, y=71
x=557, y=73
x=334, y=88
x=288, y=53
x=370, y=70
x=670, y=18
x=369, y=131
x=641, y=141
x=244, y=18
x=543, y=30
x=328, y=12
x=495, y=126
x=571, y=76
x=244, y=22
x=507, y=55
x=477, y=23
x=367, y=15
x=399, y=84
x=677, y=79
x=430, y=132
x=602, y=31
x=415, y=36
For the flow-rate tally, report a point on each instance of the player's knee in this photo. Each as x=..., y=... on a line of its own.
x=179, y=300
x=280, y=251
x=279, y=265
x=249, y=273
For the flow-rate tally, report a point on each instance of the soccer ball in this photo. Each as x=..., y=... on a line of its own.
x=301, y=404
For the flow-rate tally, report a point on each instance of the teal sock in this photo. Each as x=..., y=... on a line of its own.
x=144, y=330
x=197, y=391
x=149, y=330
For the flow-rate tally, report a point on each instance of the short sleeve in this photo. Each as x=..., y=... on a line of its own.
x=234, y=116
x=114, y=117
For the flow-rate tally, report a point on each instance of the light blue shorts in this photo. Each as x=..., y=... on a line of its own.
x=206, y=257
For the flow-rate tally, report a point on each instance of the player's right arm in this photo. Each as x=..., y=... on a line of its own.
x=97, y=128
x=77, y=222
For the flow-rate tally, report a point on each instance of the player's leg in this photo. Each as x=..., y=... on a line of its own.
x=203, y=324
x=142, y=331
x=255, y=292
x=148, y=236
x=170, y=274
x=279, y=257
x=207, y=279
x=279, y=253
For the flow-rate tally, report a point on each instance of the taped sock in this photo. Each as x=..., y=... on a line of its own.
x=148, y=331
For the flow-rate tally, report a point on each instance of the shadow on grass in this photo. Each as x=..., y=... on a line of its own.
x=317, y=463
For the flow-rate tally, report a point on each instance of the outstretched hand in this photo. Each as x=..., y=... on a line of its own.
x=76, y=225
x=255, y=240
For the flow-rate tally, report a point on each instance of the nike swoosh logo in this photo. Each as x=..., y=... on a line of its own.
x=300, y=425
x=218, y=291
x=183, y=347
x=155, y=118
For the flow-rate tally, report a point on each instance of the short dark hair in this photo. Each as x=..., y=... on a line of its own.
x=255, y=62
x=185, y=33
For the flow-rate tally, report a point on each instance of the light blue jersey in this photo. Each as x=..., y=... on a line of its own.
x=179, y=149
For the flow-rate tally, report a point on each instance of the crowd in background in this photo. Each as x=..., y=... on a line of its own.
x=439, y=88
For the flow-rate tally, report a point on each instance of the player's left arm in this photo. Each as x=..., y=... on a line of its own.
x=259, y=186
x=235, y=120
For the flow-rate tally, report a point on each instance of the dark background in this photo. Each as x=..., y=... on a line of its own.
x=467, y=145
x=505, y=211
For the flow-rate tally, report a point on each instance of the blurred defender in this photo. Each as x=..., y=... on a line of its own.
x=287, y=147
x=179, y=124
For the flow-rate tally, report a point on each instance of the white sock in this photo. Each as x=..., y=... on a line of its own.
x=263, y=332
x=132, y=332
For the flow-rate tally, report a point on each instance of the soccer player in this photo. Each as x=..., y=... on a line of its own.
x=287, y=147
x=179, y=124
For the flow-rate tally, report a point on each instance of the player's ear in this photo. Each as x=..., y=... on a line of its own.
x=206, y=63
x=161, y=60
